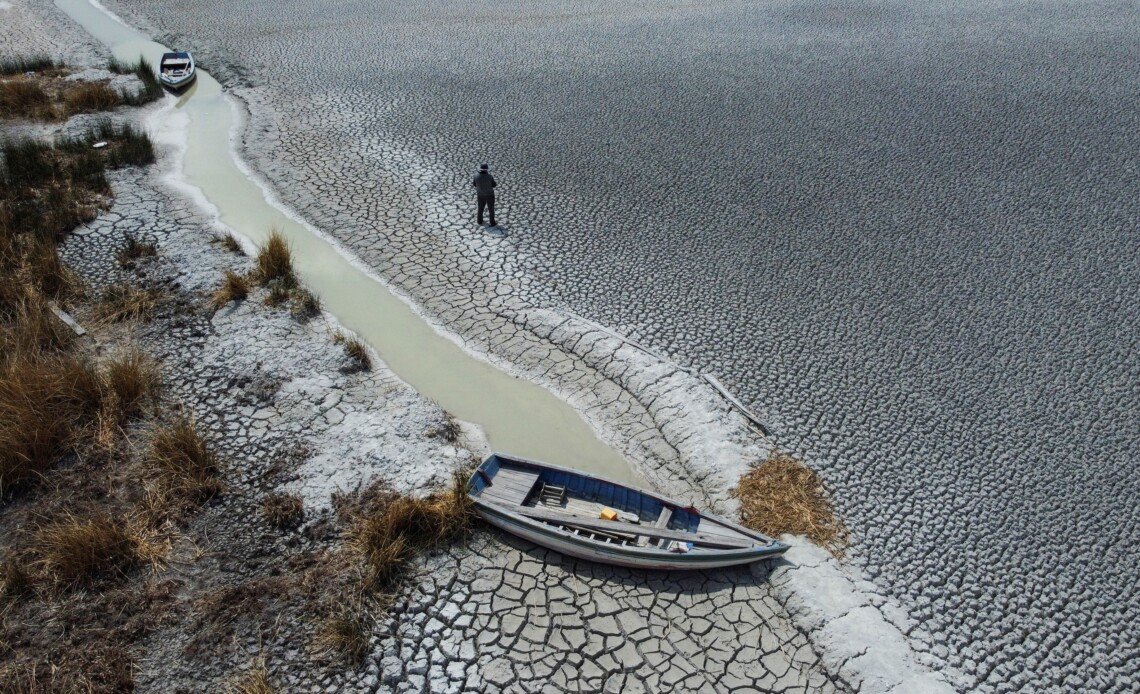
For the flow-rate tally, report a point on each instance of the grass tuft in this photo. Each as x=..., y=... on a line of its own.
x=782, y=495
x=253, y=681
x=133, y=249
x=186, y=464
x=278, y=293
x=14, y=578
x=305, y=305
x=46, y=403
x=355, y=349
x=345, y=634
x=75, y=550
x=234, y=287
x=283, y=511
x=134, y=379
x=229, y=242
x=120, y=302
x=275, y=262
x=391, y=533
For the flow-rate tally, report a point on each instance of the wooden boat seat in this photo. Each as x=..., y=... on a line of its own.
x=552, y=495
x=662, y=523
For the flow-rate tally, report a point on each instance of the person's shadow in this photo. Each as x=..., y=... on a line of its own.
x=498, y=231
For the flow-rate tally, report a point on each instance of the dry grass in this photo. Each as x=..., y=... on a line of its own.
x=184, y=461
x=253, y=681
x=355, y=349
x=306, y=305
x=75, y=550
x=120, y=302
x=782, y=495
x=234, y=287
x=133, y=249
x=278, y=294
x=229, y=242
x=345, y=633
x=283, y=511
x=47, y=402
x=134, y=379
x=28, y=63
x=89, y=97
x=275, y=262
x=397, y=527
x=23, y=97
x=14, y=579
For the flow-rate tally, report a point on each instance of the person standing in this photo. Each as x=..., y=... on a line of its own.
x=485, y=184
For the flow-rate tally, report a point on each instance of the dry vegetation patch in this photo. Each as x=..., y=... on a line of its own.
x=186, y=464
x=234, y=287
x=782, y=495
x=388, y=529
x=75, y=550
x=354, y=349
x=253, y=681
x=121, y=302
x=283, y=511
x=38, y=89
x=274, y=262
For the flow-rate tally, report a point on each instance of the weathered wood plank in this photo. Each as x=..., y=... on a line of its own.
x=627, y=528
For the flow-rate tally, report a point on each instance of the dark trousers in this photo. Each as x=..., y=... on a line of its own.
x=487, y=201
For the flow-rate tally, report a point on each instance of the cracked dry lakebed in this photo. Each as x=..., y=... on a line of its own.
x=905, y=234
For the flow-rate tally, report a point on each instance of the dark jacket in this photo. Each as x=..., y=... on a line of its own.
x=484, y=185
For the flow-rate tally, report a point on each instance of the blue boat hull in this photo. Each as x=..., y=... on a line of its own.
x=548, y=531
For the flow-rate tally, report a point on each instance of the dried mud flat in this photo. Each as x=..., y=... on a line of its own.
x=905, y=234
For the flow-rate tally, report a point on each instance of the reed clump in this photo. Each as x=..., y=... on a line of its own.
x=782, y=495
x=90, y=97
x=21, y=97
x=47, y=403
x=17, y=65
x=395, y=528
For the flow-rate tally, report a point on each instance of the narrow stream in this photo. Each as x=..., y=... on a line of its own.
x=518, y=416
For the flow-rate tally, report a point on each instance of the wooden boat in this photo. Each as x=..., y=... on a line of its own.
x=591, y=518
x=176, y=70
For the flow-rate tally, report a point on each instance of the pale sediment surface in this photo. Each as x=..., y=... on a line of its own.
x=907, y=234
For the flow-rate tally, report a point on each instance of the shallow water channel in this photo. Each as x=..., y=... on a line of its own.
x=516, y=415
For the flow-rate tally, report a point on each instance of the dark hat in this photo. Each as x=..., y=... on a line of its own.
x=483, y=167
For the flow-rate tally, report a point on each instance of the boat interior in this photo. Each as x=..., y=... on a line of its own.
x=599, y=510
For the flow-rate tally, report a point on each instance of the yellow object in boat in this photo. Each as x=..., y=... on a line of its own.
x=609, y=514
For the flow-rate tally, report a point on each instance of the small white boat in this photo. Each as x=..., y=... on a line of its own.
x=176, y=70
x=592, y=518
